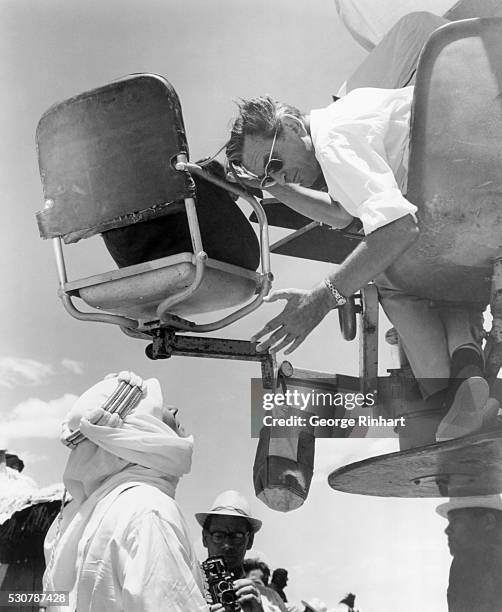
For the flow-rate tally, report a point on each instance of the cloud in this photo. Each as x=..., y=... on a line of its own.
x=18, y=371
x=30, y=458
x=75, y=367
x=36, y=418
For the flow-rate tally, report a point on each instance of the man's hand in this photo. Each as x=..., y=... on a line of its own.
x=248, y=597
x=247, y=178
x=304, y=310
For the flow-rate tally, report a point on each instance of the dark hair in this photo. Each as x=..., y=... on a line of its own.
x=256, y=116
x=250, y=564
x=280, y=571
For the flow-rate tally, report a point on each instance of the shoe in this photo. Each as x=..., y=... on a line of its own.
x=466, y=412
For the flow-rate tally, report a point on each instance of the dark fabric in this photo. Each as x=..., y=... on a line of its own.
x=475, y=583
x=226, y=233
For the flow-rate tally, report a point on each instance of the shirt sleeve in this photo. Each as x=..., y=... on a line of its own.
x=359, y=176
x=159, y=571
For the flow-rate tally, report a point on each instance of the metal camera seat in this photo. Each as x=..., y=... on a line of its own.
x=115, y=156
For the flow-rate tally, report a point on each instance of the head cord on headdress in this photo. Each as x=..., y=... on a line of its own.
x=121, y=402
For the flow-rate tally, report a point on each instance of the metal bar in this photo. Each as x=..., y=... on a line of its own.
x=200, y=265
x=60, y=262
x=219, y=348
x=266, y=275
x=368, y=345
x=294, y=235
x=97, y=318
x=66, y=299
x=198, y=251
x=257, y=207
x=167, y=343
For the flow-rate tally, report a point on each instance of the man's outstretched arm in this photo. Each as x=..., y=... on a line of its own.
x=317, y=205
x=305, y=309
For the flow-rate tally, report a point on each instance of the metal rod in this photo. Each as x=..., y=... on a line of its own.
x=60, y=262
x=169, y=302
x=256, y=206
x=92, y=316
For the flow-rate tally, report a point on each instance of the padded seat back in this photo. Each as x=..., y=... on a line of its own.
x=105, y=155
x=455, y=175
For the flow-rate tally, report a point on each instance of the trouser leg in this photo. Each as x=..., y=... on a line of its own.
x=442, y=345
x=423, y=337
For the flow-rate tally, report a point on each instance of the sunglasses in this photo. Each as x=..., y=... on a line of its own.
x=273, y=165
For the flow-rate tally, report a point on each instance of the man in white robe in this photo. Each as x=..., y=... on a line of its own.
x=122, y=542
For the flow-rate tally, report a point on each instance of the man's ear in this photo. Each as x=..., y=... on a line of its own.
x=293, y=124
x=250, y=541
x=204, y=538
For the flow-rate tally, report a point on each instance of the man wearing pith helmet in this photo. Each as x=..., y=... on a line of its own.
x=475, y=541
x=228, y=530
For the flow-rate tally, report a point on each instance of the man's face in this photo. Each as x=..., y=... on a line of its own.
x=171, y=419
x=466, y=530
x=293, y=148
x=228, y=537
x=256, y=575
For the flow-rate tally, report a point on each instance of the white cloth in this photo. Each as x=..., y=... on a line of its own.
x=361, y=143
x=368, y=21
x=429, y=333
x=123, y=532
x=270, y=600
x=137, y=556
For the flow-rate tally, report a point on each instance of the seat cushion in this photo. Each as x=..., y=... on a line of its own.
x=136, y=291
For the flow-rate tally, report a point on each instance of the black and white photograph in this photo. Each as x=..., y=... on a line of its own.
x=251, y=329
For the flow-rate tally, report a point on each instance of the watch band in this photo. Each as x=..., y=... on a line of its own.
x=339, y=299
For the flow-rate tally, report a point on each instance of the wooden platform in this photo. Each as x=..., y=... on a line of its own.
x=471, y=465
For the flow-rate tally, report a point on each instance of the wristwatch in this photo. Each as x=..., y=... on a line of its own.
x=337, y=297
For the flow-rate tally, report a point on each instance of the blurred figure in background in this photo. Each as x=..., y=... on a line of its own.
x=279, y=582
x=475, y=540
x=314, y=605
x=255, y=570
x=347, y=604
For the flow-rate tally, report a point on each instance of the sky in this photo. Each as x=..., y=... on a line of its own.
x=391, y=552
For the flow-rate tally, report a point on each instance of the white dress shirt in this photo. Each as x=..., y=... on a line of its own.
x=361, y=143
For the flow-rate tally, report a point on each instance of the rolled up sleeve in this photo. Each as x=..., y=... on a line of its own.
x=359, y=176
